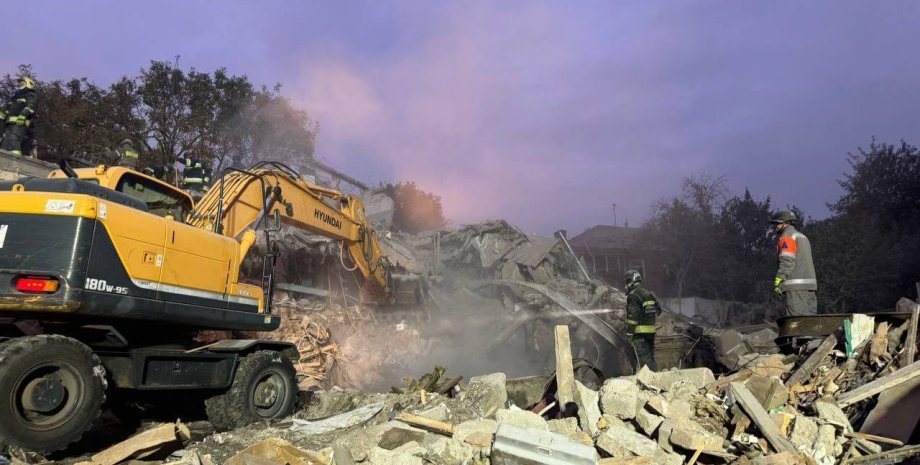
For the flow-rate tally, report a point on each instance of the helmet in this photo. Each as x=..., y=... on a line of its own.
x=632, y=277
x=783, y=216
x=25, y=82
x=149, y=171
x=127, y=142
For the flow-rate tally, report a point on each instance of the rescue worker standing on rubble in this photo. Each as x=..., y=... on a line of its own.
x=19, y=117
x=127, y=156
x=642, y=310
x=196, y=177
x=795, y=278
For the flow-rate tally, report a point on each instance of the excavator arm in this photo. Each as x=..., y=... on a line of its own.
x=238, y=204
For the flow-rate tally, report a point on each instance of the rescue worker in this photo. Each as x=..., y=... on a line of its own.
x=19, y=117
x=795, y=280
x=196, y=177
x=642, y=310
x=127, y=156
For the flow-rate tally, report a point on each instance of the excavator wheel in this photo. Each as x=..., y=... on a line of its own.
x=264, y=387
x=51, y=390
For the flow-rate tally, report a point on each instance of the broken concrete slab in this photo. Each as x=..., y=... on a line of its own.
x=589, y=411
x=487, y=393
x=830, y=412
x=621, y=442
x=699, y=378
x=522, y=419
x=804, y=433
x=448, y=451
x=826, y=449
x=664, y=435
x=467, y=428
x=620, y=398
x=438, y=413
x=648, y=422
x=694, y=438
x=565, y=426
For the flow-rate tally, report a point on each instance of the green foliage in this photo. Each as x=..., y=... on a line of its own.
x=867, y=255
x=712, y=245
x=414, y=209
x=170, y=113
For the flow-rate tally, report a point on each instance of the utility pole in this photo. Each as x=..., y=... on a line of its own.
x=614, y=214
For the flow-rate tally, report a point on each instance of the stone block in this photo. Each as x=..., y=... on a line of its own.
x=621, y=443
x=521, y=419
x=832, y=414
x=487, y=393
x=448, y=451
x=620, y=398
x=482, y=425
x=698, y=378
x=693, y=438
x=589, y=411
x=804, y=433
x=648, y=422
x=566, y=426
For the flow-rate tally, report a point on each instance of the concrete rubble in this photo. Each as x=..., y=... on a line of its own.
x=805, y=407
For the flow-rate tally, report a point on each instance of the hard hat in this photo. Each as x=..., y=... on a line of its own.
x=25, y=82
x=632, y=277
x=783, y=216
x=127, y=142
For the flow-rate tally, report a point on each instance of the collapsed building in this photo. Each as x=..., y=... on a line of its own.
x=519, y=357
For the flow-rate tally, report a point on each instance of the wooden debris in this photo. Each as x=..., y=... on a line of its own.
x=870, y=389
x=143, y=444
x=899, y=453
x=565, y=373
x=760, y=417
x=878, y=348
x=813, y=361
x=874, y=438
x=910, y=344
x=434, y=426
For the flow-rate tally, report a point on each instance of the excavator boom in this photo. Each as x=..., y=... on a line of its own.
x=243, y=198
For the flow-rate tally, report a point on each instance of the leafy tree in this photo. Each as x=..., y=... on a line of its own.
x=170, y=113
x=414, y=209
x=748, y=254
x=683, y=229
x=868, y=254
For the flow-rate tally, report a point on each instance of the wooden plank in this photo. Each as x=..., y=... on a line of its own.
x=434, y=426
x=760, y=417
x=874, y=438
x=811, y=363
x=910, y=344
x=870, y=389
x=901, y=453
x=565, y=373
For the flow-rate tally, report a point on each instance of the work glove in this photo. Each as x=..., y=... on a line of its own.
x=778, y=286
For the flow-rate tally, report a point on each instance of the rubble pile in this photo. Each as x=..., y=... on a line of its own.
x=804, y=408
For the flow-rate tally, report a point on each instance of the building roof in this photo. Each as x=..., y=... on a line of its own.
x=533, y=252
x=606, y=237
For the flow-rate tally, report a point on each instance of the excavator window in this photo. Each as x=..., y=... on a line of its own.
x=160, y=200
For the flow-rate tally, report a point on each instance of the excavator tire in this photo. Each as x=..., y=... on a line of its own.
x=52, y=389
x=264, y=387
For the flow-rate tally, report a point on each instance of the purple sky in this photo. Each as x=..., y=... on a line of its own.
x=542, y=113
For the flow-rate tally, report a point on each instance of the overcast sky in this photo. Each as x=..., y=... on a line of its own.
x=542, y=113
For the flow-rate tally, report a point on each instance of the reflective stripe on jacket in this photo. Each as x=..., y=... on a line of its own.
x=796, y=267
x=642, y=309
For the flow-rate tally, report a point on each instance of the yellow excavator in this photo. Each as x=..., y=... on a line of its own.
x=107, y=275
